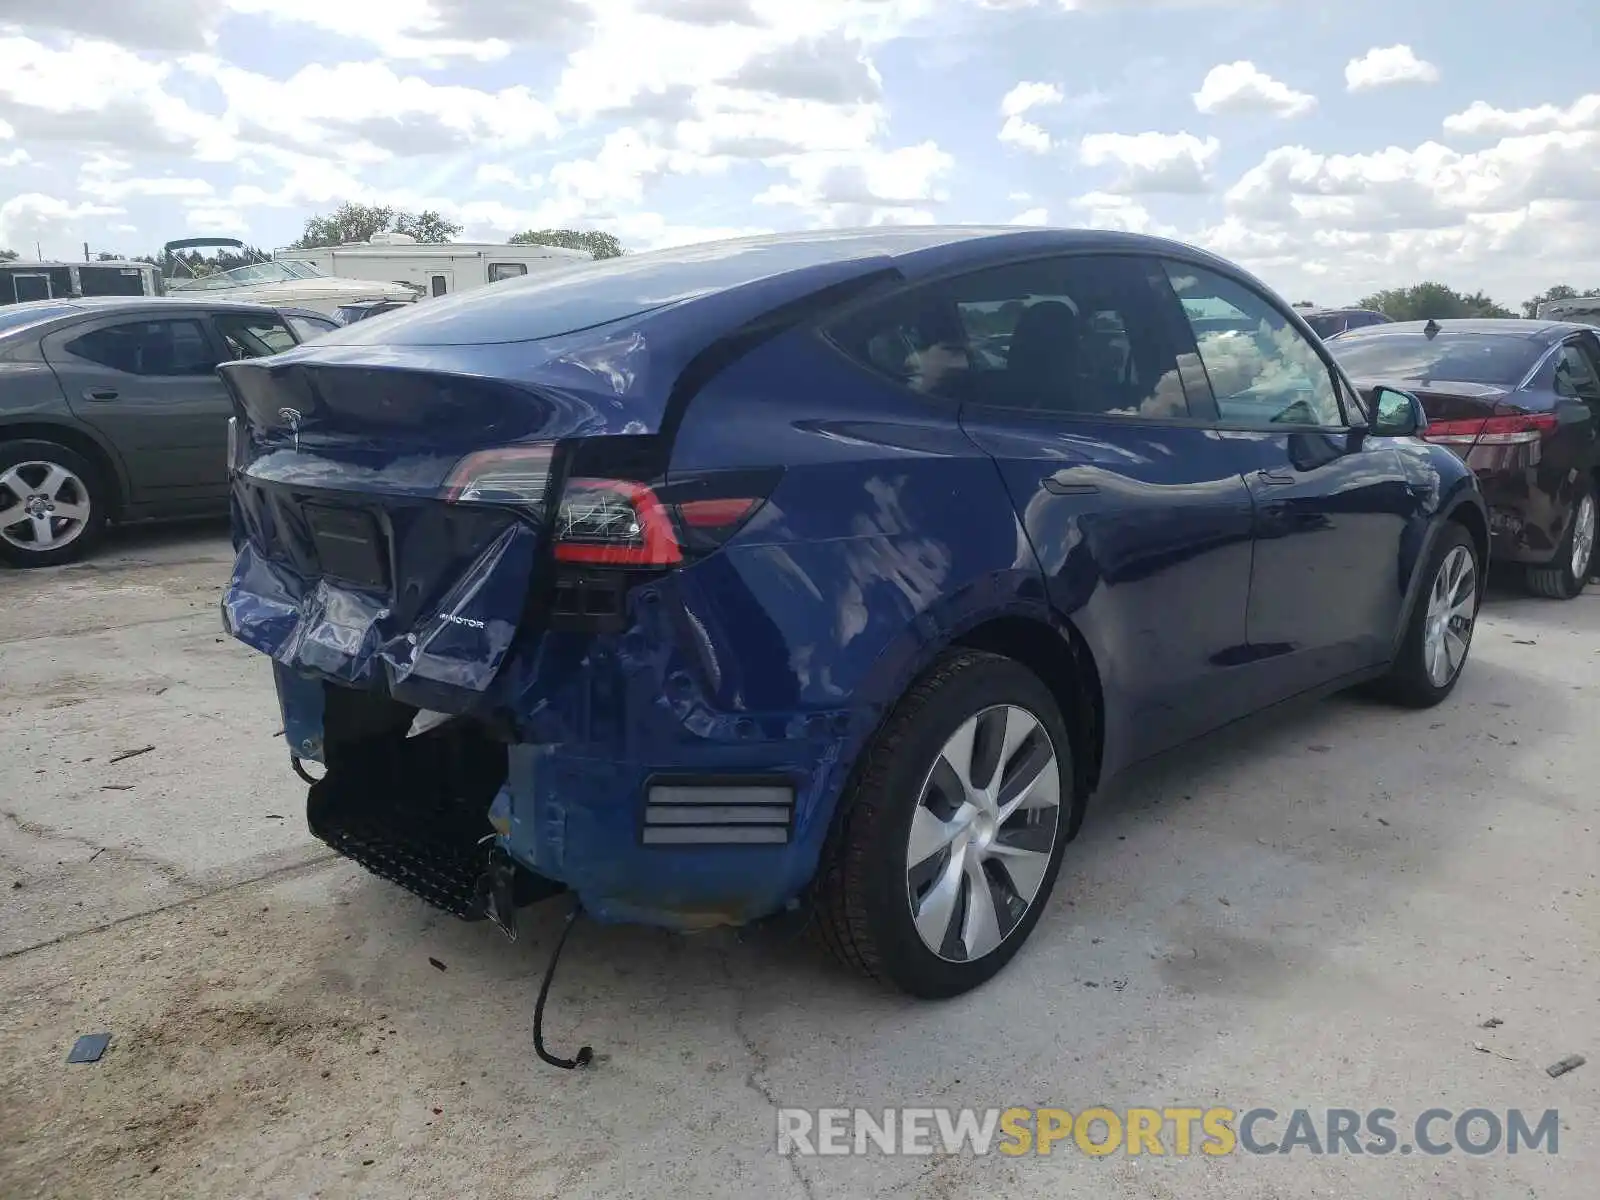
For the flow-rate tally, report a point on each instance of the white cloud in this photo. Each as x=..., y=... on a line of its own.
x=1428, y=187
x=427, y=30
x=869, y=187
x=1024, y=98
x=1025, y=135
x=145, y=24
x=1385, y=66
x=34, y=217
x=1241, y=87
x=1153, y=162
x=364, y=112
x=1034, y=216
x=1480, y=118
x=1104, y=210
x=97, y=93
x=101, y=187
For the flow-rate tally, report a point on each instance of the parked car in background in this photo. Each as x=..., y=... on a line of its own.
x=833, y=568
x=1519, y=401
x=348, y=314
x=111, y=410
x=1331, y=322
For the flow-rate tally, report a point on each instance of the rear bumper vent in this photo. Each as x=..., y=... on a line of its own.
x=718, y=812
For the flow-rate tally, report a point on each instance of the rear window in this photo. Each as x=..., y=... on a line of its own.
x=550, y=303
x=1485, y=358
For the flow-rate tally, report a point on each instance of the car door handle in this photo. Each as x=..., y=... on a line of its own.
x=1062, y=483
x=1277, y=477
x=100, y=394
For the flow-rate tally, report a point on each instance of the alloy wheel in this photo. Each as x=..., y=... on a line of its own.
x=1583, y=529
x=1452, y=611
x=43, y=506
x=983, y=832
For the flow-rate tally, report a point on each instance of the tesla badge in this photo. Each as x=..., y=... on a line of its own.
x=291, y=418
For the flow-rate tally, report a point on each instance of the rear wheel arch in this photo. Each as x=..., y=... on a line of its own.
x=104, y=461
x=1471, y=517
x=1062, y=660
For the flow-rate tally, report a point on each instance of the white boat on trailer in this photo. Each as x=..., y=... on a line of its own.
x=279, y=283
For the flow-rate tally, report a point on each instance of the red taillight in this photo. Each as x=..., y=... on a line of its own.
x=716, y=514
x=615, y=523
x=1511, y=430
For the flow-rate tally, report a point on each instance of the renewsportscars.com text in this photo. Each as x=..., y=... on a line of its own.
x=1175, y=1131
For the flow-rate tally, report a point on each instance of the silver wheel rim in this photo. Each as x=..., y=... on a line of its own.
x=982, y=833
x=1583, y=537
x=43, y=506
x=1452, y=610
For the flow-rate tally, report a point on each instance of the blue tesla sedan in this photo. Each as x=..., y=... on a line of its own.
x=826, y=573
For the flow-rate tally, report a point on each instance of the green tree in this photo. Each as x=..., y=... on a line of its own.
x=426, y=226
x=7, y=255
x=1425, y=301
x=597, y=243
x=1530, y=308
x=358, y=222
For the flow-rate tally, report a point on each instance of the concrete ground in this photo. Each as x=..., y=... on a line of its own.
x=1321, y=910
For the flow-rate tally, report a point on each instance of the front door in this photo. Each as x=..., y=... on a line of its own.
x=151, y=387
x=1331, y=508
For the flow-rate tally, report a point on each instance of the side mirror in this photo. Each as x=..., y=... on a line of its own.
x=1397, y=414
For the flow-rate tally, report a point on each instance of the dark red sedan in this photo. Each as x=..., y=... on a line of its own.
x=1519, y=401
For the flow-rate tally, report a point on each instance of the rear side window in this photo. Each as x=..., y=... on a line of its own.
x=1325, y=325
x=1063, y=336
x=1576, y=376
x=499, y=271
x=1487, y=358
x=1263, y=370
x=254, y=337
x=309, y=327
x=169, y=348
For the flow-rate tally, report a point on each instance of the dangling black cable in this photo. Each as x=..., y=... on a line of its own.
x=585, y=1053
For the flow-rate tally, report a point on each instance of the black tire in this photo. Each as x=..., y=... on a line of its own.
x=1558, y=580
x=87, y=476
x=1409, y=682
x=863, y=913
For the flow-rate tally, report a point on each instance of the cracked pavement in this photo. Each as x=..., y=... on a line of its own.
x=1320, y=909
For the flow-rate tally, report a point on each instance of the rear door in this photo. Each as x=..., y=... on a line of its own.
x=1331, y=509
x=150, y=387
x=1070, y=380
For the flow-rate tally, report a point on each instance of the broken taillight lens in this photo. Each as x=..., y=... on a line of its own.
x=606, y=522
x=614, y=522
x=516, y=475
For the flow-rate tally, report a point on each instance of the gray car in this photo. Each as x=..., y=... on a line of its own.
x=111, y=410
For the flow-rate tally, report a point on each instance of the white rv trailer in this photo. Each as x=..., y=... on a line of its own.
x=1585, y=310
x=438, y=269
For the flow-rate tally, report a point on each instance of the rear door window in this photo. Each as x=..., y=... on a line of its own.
x=1071, y=336
x=252, y=336
x=1576, y=376
x=168, y=347
x=307, y=328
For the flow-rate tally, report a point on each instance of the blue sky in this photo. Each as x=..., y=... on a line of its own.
x=1467, y=149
